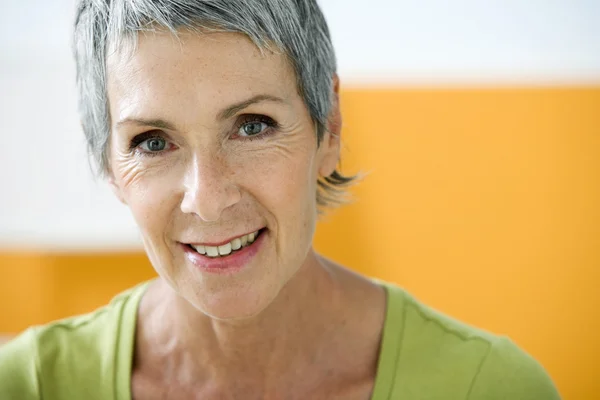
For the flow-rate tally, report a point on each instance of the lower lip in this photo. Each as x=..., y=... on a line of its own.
x=225, y=265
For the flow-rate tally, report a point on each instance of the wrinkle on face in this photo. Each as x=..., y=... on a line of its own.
x=127, y=168
x=188, y=86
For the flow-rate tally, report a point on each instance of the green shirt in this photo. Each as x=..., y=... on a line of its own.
x=424, y=355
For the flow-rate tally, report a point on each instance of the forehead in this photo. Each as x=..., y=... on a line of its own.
x=204, y=71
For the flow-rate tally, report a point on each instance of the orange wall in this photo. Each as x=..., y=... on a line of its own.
x=484, y=203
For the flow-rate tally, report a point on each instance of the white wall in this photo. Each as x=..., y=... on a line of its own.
x=47, y=196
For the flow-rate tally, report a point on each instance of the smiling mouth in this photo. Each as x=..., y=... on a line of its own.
x=227, y=249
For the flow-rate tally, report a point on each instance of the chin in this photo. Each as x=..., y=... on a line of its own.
x=235, y=303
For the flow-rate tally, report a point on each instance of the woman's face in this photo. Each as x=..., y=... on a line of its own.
x=211, y=142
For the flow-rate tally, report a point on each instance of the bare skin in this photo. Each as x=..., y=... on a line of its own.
x=211, y=141
x=320, y=339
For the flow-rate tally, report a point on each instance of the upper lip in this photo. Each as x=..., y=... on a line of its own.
x=221, y=242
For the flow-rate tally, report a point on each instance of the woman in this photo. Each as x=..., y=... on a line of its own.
x=217, y=123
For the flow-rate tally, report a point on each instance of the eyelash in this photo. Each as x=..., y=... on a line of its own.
x=272, y=126
x=142, y=137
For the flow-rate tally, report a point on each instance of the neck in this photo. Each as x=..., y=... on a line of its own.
x=288, y=336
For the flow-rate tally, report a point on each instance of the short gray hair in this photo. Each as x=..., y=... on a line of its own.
x=297, y=28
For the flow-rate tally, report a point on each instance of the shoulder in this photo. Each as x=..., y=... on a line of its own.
x=508, y=372
x=66, y=355
x=435, y=350
x=19, y=368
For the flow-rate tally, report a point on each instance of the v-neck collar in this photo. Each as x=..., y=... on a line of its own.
x=386, y=365
x=126, y=343
x=390, y=342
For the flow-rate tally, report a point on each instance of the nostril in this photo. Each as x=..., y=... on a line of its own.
x=208, y=203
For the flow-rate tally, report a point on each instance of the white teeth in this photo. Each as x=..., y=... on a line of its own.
x=212, y=251
x=200, y=249
x=225, y=249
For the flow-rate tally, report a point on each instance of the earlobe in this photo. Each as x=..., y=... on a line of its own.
x=330, y=157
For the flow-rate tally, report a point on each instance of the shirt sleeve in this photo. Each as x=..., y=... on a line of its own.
x=18, y=368
x=509, y=373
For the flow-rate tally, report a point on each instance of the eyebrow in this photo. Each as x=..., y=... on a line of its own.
x=235, y=108
x=224, y=114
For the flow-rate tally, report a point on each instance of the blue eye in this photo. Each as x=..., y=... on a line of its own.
x=252, y=128
x=154, y=145
x=255, y=126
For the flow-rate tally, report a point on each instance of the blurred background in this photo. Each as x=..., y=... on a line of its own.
x=478, y=124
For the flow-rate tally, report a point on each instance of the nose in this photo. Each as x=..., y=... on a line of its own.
x=209, y=188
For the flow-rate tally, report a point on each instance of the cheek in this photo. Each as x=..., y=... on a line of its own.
x=282, y=178
x=285, y=185
x=149, y=192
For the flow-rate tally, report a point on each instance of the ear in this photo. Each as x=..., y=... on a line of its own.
x=330, y=144
x=115, y=188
